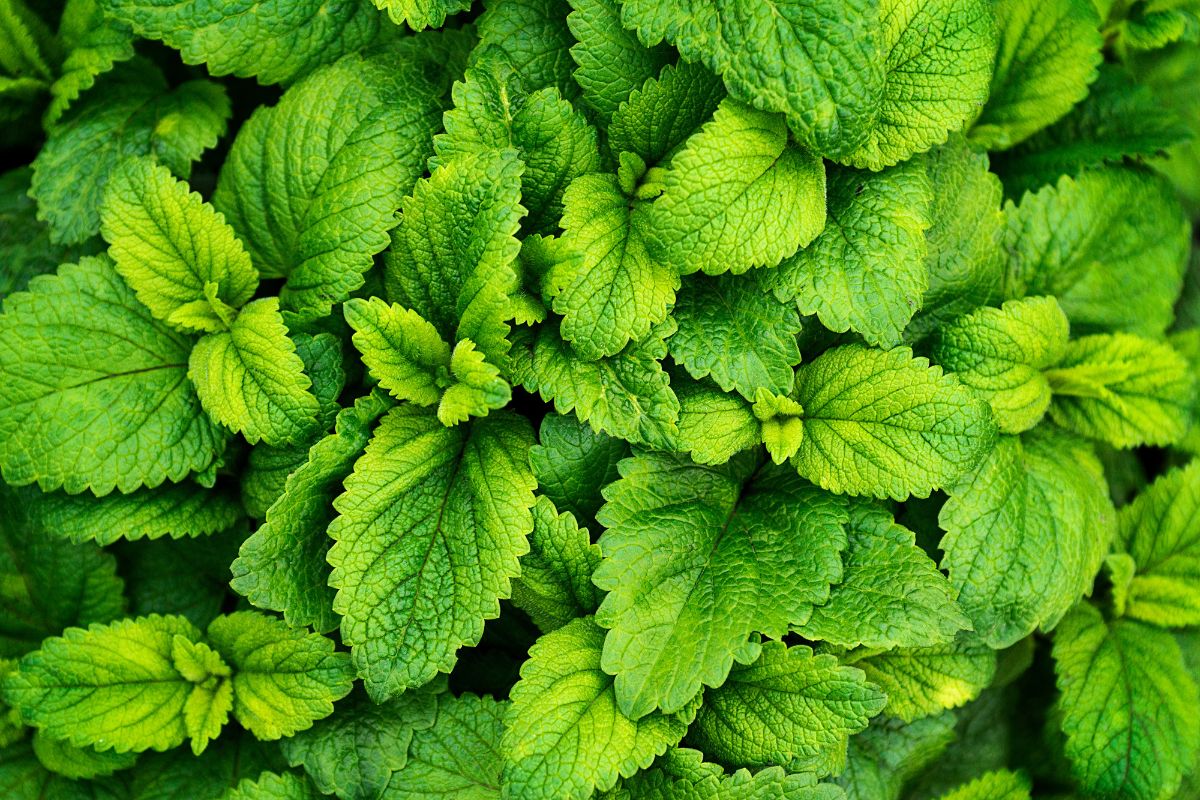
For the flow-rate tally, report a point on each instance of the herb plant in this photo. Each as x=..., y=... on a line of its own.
x=633, y=399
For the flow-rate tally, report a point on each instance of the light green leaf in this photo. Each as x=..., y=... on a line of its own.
x=818, y=62
x=250, y=379
x=759, y=549
x=713, y=425
x=887, y=424
x=1111, y=245
x=737, y=196
x=781, y=424
x=457, y=232
x=129, y=112
x=458, y=758
x=277, y=42
x=270, y=786
x=922, y=681
x=1127, y=706
x=282, y=566
x=555, y=585
x=1027, y=529
x=283, y=678
x=999, y=785
x=790, y=708
x=627, y=396
x=477, y=388
x=354, y=752
x=939, y=62
x=432, y=518
x=733, y=330
x=70, y=761
x=885, y=756
x=1001, y=354
x=564, y=735
x=111, y=686
x=1159, y=530
x=176, y=253
x=659, y=116
x=1047, y=56
x=94, y=43
x=891, y=594
x=421, y=14
x=294, y=187
x=1122, y=389
x=93, y=390
x=866, y=271
x=534, y=38
x=402, y=351
x=611, y=291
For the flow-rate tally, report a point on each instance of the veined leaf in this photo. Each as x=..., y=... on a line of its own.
x=535, y=39
x=660, y=115
x=998, y=785
x=555, y=586
x=573, y=463
x=421, y=14
x=922, y=681
x=94, y=43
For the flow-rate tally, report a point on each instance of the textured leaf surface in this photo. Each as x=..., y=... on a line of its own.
x=573, y=463
x=95, y=42
x=555, y=585
x=534, y=37
x=998, y=785
x=612, y=63
x=402, y=351
x=759, y=548
x=431, y=526
x=564, y=734
x=421, y=14
x=713, y=425
x=272, y=786
x=459, y=757
x=98, y=397
x=886, y=424
x=1127, y=704
x=789, y=707
x=922, y=681
x=881, y=759
x=1026, y=532
x=660, y=115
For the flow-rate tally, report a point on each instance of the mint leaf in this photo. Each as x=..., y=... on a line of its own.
x=998, y=785
x=555, y=586
x=882, y=758
x=458, y=757
x=74, y=762
x=612, y=62
x=661, y=114
x=421, y=14
x=573, y=463
x=713, y=426
x=534, y=38
x=269, y=786
x=94, y=43
x=402, y=351
x=922, y=681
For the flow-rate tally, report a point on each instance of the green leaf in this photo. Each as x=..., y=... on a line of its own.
x=555, y=585
x=111, y=686
x=612, y=62
x=573, y=463
x=999, y=785
x=885, y=756
x=1047, y=56
x=478, y=387
x=781, y=424
x=627, y=396
x=866, y=271
x=402, y=351
x=891, y=594
x=534, y=38
x=1122, y=389
x=178, y=255
x=250, y=379
x=819, y=63
x=759, y=548
x=611, y=291
x=564, y=734
x=887, y=424
x=93, y=390
x=737, y=196
x=276, y=42
x=1111, y=245
x=922, y=681
x=354, y=752
x=269, y=786
x=790, y=708
x=713, y=425
x=74, y=762
x=130, y=112
x=94, y=43
x=188, y=577
x=1027, y=529
x=1127, y=706
x=421, y=14
x=177, y=773
x=283, y=678
x=47, y=584
x=659, y=116
x=1001, y=354
x=939, y=62
x=282, y=566
x=457, y=233
x=432, y=518
x=1159, y=530
x=294, y=187
x=459, y=757
x=733, y=330
x=682, y=774
x=26, y=44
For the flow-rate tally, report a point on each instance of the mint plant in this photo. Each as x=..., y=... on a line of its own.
x=618, y=399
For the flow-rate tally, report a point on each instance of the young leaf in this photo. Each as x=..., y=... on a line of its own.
x=277, y=42
x=1026, y=530
x=790, y=708
x=922, y=681
x=1001, y=354
x=999, y=785
x=758, y=549
x=1127, y=706
x=738, y=173
x=283, y=678
x=403, y=351
x=866, y=271
x=477, y=388
x=270, y=786
x=564, y=734
x=458, y=757
x=421, y=14
x=713, y=426
x=432, y=518
x=659, y=116
x=176, y=253
x=887, y=424
x=93, y=389
x=1159, y=530
x=294, y=187
x=891, y=594
x=555, y=585
x=63, y=758
x=250, y=379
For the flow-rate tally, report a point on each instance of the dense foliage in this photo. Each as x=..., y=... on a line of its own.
x=639, y=399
